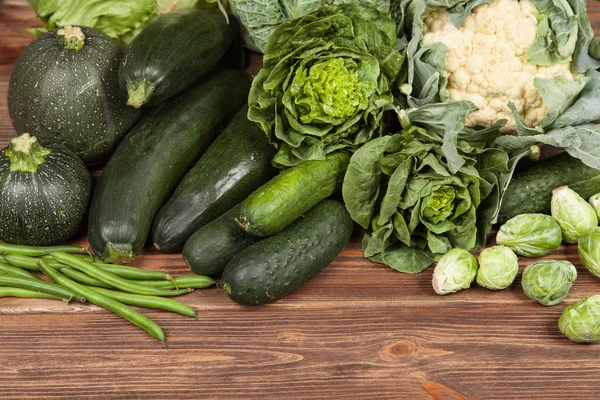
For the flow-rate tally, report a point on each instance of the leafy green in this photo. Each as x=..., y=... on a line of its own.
x=326, y=82
x=119, y=19
x=413, y=207
x=261, y=17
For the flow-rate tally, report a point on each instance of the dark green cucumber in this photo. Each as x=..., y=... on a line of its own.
x=530, y=190
x=173, y=52
x=236, y=164
x=65, y=90
x=44, y=192
x=153, y=158
x=292, y=193
x=211, y=247
x=278, y=265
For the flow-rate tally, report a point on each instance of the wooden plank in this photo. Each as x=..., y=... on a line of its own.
x=358, y=330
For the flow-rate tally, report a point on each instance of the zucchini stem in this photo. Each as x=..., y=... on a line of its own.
x=71, y=37
x=25, y=153
x=139, y=92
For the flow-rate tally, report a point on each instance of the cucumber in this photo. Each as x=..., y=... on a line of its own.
x=153, y=158
x=278, y=265
x=530, y=190
x=236, y=164
x=174, y=51
x=292, y=193
x=211, y=247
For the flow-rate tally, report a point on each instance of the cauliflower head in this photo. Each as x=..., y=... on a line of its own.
x=487, y=64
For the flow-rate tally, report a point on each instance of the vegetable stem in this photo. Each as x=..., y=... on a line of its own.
x=139, y=91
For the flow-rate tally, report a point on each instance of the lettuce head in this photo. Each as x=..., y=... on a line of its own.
x=119, y=19
x=326, y=82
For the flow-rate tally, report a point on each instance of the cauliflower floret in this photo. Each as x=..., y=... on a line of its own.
x=487, y=64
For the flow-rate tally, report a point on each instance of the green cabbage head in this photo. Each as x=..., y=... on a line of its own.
x=326, y=81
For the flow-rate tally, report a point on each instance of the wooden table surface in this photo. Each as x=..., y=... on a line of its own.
x=357, y=331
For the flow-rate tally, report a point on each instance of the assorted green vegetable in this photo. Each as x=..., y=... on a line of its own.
x=375, y=100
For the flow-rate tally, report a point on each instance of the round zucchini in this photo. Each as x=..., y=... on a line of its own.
x=173, y=52
x=278, y=265
x=44, y=192
x=236, y=164
x=65, y=89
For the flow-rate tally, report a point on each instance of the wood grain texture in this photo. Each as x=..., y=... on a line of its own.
x=357, y=331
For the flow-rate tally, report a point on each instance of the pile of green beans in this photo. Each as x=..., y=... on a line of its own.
x=77, y=275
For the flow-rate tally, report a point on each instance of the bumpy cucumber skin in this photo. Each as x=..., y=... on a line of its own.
x=276, y=266
x=211, y=247
x=152, y=159
x=293, y=192
x=530, y=190
x=236, y=164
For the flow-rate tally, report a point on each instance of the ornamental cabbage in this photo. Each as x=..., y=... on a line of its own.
x=326, y=81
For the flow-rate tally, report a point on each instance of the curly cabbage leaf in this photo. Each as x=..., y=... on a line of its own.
x=326, y=82
x=412, y=206
x=119, y=19
x=261, y=17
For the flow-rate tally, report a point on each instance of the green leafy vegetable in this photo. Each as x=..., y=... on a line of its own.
x=326, y=81
x=530, y=235
x=261, y=17
x=119, y=19
x=456, y=270
x=579, y=322
x=402, y=190
x=548, y=281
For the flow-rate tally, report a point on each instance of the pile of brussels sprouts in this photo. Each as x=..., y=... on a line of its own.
x=572, y=220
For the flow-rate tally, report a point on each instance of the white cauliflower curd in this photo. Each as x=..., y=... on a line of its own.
x=486, y=62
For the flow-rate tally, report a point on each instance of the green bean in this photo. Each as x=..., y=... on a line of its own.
x=148, y=301
x=38, y=285
x=10, y=270
x=112, y=279
x=27, y=262
x=36, y=251
x=123, y=271
x=27, y=294
x=82, y=278
x=182, y=282
x=94, y=297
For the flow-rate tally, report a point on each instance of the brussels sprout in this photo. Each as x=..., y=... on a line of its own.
x=574, y=215
x=548, y=281
x=595, y=202
x=579, y=322
x=589, y=251
x=455, y=271
x=498, y=267
x=530, y=235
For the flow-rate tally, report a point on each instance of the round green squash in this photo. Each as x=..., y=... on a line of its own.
x=65, y=89
x=44, y=192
